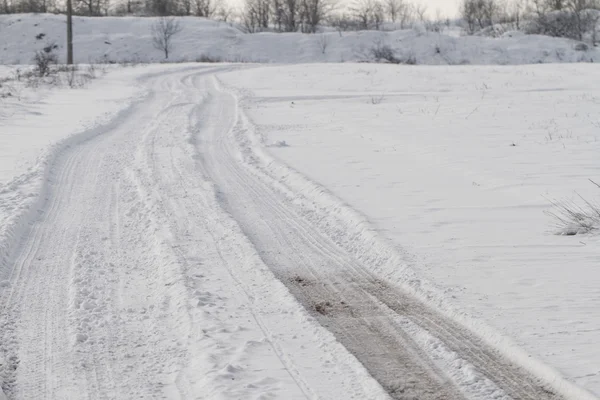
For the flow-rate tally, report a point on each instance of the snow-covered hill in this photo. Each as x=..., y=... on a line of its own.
x=112, y=39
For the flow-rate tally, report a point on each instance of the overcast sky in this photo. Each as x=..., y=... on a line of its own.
x=449, y=8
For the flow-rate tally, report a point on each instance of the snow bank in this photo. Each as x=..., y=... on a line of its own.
x=112, y=39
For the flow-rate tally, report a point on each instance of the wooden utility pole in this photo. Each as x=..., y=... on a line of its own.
x=69, y=32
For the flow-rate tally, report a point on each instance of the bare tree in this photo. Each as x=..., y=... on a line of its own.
x=565, y=18
x=394, y=8
x=405, y=15
x=378, y=15
x=363, y=12
x=343, y=22
x=93, y=7
x=28, y=6
x=129, y=7
x=224, y=13
x=291, y=15
x=205, y=8
x=584, y=20
x=163, y=31
x=255, y=17
x=161, y=7
x=315, y=12
x=478, y=14
x=420, y=11
x=468, y=11
x=277, y=13
x=186, y=7
x=515, y=13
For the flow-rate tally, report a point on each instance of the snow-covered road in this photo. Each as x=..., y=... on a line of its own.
x=169, y=261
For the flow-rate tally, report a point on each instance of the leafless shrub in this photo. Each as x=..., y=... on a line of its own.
x=576, y=217
x=91, y=71
x=411, y=59
x=75, y=78
x=71, y=74
x=208, y=59
x=44, y=59
x=383, y=52
x=163, y=31
x=377, y=99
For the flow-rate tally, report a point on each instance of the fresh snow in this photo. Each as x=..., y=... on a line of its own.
x=455, y=166
x=128, y=39
x=185, y=231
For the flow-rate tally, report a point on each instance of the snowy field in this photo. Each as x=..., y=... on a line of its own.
x=455, y=166
x=110, y=39
x=394, y=188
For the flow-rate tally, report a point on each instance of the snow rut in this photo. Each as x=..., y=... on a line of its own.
x=373, y=320
x=89, y=310
x=133, y=281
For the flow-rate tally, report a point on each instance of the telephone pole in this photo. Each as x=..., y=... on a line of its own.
x=69, y=32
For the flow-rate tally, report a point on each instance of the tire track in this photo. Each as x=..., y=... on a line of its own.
x=341, y=292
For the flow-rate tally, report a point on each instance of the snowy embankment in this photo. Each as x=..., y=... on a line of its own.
x=128, y=39
x=455, y=168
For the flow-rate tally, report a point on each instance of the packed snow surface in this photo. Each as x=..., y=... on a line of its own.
x=129, y=39
x=455, y=166
x=219, y=231
x=109, y=290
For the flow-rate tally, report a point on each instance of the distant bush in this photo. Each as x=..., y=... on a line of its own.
x=572, y=24
x=383, y=52
x=208, y=59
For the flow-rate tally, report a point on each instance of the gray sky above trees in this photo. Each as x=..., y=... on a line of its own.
x=448, y=8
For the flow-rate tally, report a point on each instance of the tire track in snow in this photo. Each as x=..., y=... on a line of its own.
x=340, y=291
x=133, y=282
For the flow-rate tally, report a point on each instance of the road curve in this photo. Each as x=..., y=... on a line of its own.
x=95, y=301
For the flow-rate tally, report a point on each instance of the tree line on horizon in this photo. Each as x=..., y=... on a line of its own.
x=562, y=18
